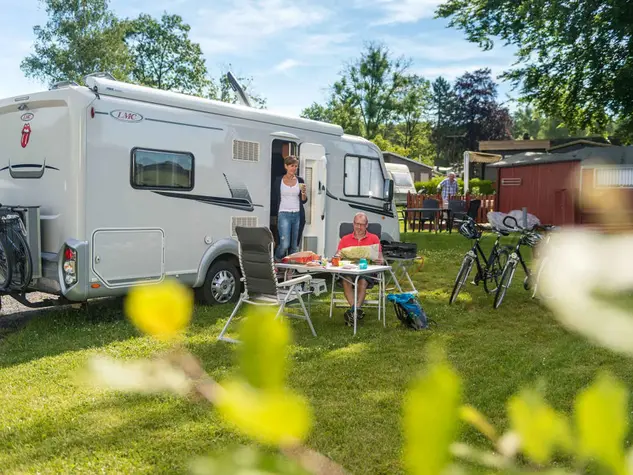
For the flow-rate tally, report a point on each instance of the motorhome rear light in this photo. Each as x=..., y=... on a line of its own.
x=92, y=112
x=69, y=266
x=69, y=254
x=95, y=286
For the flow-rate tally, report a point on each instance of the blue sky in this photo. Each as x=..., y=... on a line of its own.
x=294, y=49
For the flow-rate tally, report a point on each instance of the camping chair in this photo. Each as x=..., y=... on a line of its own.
x=457, y=209
x=260, y=280
x=344, y=230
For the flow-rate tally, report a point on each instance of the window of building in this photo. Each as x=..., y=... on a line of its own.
x=363, y=177
x=162, y=169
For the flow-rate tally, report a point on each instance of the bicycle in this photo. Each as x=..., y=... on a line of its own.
x=542, y=265
x=529, y=238
x=16, y=263
x=493, y=265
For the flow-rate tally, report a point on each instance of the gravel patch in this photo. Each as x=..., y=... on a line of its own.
x=14, y=315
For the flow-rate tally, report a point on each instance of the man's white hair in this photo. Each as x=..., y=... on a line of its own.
x=360, y=213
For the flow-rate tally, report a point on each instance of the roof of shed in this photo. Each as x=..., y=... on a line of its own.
x=590, y=156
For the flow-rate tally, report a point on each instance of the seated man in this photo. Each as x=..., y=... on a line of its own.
x=359, y=238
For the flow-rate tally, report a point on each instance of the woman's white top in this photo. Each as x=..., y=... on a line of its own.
x=289, y=198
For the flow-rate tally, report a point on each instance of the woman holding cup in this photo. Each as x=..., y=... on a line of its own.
x=289, y=196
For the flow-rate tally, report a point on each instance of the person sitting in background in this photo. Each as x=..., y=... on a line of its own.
x=359, y=238
x=288, y=197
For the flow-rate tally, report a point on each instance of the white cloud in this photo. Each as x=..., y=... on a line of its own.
x=328, y=44
x=440, y=48
x=453, y=71
x=401, y=11
x=242, y=27
x=287, y=64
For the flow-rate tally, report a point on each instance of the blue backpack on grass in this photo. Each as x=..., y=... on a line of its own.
x=409, y=311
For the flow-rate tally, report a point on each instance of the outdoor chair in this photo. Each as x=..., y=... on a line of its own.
x=344, y=230
x=261, y=286
x=430, y=216
x=457, y=209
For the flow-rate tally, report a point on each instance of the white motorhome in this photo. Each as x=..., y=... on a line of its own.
x=403, y=182
x=124, y=185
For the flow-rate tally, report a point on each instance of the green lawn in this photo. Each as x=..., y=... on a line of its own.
x=52, y=423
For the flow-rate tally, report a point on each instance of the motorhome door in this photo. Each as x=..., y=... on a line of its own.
x=312, y=168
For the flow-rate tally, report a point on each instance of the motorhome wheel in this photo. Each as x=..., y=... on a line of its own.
x=222, y=284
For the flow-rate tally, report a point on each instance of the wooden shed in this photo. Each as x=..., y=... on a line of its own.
x=550, y=184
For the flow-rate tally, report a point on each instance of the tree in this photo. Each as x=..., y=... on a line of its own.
x=372, y=84
x=574, y=59
x=478, y=114
x=413, y=105
x=164, y=57
x=443, y=107
x=336, y=112
x=80, y=38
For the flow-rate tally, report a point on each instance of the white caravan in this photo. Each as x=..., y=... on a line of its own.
x=134, y=185
x=403, y=183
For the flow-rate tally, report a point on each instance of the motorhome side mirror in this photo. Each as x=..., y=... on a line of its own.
x=388, y=191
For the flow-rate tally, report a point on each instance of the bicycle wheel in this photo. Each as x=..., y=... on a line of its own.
x=462, y=276
x=537, y=291
x=504, y=283
x=495, y=268
x=22, y=262
x=6, y=264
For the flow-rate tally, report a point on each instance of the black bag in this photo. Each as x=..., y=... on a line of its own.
x=400, y=250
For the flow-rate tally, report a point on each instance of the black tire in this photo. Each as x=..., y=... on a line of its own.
x=462, y=276
x=222, y=284
x=22, y=261
x=6, y=264
x=496, y=265
x=504, y=283
x=537, y=291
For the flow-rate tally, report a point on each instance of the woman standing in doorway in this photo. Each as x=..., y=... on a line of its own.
x=289, y=196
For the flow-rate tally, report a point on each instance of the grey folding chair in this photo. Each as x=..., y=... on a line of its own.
x=261, y=287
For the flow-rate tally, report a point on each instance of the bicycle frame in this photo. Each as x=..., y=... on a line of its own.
x=477, y=251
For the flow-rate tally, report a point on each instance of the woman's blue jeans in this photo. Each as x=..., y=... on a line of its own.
x=288, y=229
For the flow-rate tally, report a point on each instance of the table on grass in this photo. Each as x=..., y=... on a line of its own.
x=352, y=273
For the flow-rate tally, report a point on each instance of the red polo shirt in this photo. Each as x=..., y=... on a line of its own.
x=351, y=241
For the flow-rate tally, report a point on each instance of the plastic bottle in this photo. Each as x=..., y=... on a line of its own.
x=362, y=265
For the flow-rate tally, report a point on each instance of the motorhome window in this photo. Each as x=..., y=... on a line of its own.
x=363, y=177
x=402, y=179
x=162, y=169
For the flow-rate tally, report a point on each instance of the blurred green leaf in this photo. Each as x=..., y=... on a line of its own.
x=264, y=349
x=542, y=430
x=431, y=419
x=246, y=461
x=275, y=417
x=602, y=422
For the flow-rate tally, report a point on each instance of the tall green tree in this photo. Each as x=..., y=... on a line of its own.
x=443, y=110
x=336, y=112
x=164, y=57
x=414, y=105
x=373, y=84
x=79, y=38
x=574, y=58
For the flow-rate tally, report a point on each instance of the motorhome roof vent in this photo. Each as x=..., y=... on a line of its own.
x=245, y=151
x=244, y=221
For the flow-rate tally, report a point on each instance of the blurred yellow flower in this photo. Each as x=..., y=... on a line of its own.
x=276, y=417
x=162, y=310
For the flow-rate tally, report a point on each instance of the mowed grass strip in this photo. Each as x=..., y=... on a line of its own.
x=52, y=422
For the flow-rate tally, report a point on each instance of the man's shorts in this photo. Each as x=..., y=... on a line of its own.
x=367, y=278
